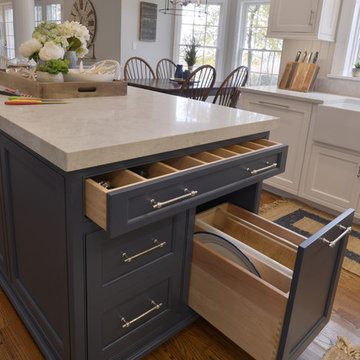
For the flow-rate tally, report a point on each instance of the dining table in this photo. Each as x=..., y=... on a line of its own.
x=168, y=86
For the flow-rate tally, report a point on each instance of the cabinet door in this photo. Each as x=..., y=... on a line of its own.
x=293, y=16
x=295, y=120
x=331, y=178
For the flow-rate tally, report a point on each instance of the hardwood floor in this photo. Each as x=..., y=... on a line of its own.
x=201, y=341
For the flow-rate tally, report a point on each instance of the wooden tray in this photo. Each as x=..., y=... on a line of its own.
x=52, y=90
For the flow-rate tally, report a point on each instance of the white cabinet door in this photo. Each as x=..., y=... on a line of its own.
x=331, y=178
x=305, y=19
x=289, y=16
x=295, y=119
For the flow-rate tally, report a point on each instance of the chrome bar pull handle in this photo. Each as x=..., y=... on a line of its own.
x=157, y=246
x=332, y=244
x=188, y=194
x=155, y=307
x=273, y=104
x=312, y=13
x=257, y=171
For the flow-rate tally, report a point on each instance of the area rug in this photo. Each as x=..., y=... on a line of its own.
x=343, y=350
x=306, y=220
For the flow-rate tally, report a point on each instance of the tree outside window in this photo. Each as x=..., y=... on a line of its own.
x=205, y=28
x=259, y=53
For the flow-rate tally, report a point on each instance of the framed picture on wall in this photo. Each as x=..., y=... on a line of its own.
x=148, y=19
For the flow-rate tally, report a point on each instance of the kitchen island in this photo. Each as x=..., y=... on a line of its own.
x=97, y=205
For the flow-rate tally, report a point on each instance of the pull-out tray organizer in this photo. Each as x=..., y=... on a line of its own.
x=278, y=315
x=126, y=199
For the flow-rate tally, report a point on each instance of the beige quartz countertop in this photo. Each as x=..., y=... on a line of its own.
x=313, y=97
x=100, y=130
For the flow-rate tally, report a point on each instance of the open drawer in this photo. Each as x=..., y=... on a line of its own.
x=276, y=315
x=126, y=199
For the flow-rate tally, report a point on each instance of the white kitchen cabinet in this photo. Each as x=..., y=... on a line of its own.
x=306, y=19
x=332, y=177
x=295, y=119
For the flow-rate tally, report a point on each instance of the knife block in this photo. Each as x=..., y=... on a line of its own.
x=299, y=76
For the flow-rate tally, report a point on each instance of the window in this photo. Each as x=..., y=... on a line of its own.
x=260, y=54
x=48, y=10
x=347, y=46
x=7, y=31
x=206, y=29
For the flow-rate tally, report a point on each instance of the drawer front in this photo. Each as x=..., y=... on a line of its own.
x=125, y=325
x=127, y=309
x=285, y=316
x=143, y=203
x=128, y=252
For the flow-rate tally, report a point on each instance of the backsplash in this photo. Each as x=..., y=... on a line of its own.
x=340, y=86
x=346, y=87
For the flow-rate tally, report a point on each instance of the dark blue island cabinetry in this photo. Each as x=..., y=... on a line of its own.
x=97, y=261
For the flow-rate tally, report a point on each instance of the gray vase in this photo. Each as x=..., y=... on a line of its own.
x=72, y=57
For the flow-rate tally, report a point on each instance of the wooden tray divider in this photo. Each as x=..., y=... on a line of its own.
x=261, y=222
x=266, y=271
x=253, y=145
x=238, y=149
x=222, y=152
x=206, y=157
x=184, y=162
x=159, y=169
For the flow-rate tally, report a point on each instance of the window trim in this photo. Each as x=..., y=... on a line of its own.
x=221, y=37
x=44, y=3
x=239, y=40
x=3, y=25
x=347, y=40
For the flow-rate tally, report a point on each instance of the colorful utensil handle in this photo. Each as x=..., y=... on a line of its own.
x=22, y=102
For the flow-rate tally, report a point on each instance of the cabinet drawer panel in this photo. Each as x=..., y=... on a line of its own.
x=183, y=183
x=123, y=318
x=266, y=315
x=124, y=326
x=131, y=251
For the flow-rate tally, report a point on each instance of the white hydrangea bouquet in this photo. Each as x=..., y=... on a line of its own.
x=50, y=41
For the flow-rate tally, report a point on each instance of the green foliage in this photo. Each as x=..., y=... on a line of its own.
x=55, y=66
x=191, y=52
x=357, y=65
x=74, y=44
x=35, y=56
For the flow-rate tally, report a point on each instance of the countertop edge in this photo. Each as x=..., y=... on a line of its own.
x=291, y=95
x=75, y=161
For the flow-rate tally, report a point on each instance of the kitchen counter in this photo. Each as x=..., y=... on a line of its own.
x=75, y=254
x=95, y=131
x=310, y=97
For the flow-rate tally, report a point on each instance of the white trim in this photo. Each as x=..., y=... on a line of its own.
x=219, y=62
x=239, y=33
x=43, y=4
x=343, y=77
x=347, y=41
x=242, y=15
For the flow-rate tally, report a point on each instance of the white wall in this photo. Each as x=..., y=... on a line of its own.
x=152, y=52
x=108, y=33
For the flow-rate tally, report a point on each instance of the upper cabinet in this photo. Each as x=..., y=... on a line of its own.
x=306, y=19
